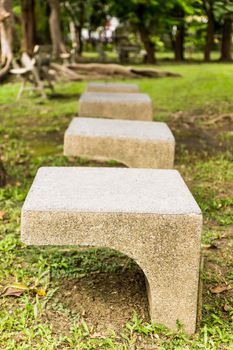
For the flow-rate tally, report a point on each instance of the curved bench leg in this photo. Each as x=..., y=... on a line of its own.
x=165, y=246
x=171, y=261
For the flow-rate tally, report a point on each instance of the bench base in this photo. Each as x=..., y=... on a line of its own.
x=149, y=215
x=116, y=106
x=134, y=143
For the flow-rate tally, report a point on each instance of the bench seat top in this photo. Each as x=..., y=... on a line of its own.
x=112, y=87
x=116, y=97
x=120, y=129
x=110, y=190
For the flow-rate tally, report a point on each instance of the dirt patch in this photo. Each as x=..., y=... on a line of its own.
x=105, y=300
x=202, y=134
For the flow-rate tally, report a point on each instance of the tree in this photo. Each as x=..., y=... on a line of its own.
x=77, y=13
x=152, y=18
x=178, y=31
x=89, y=14
x=208, y=6
x=142, y=16
x=224, y=13
x=226, y=54
x=6, y=35
x=174, y=17
x=28, y=25
x=55, y=30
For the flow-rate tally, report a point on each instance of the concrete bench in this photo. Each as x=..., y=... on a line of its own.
x=137, y=144
x=147, y=214
x=116, y=106
x=112, y=87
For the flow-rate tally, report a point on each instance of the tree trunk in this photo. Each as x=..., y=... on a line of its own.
x=226, y=40
x=29, y=25
x=2, y=175
x=178, y=42
x=209, y=36
x=79, y=27
x=77, y=22
x=148, y=45
x=55, y=30
x=6, y=36
x=74, y=37
x=178, y=32
x=79, y=34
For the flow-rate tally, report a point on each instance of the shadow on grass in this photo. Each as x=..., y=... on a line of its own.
x=59, y=96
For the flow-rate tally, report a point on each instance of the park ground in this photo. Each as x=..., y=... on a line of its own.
x=96, y=299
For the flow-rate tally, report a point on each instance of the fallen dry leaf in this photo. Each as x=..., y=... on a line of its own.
x=2, y=215
x=219, y=289
x=14, y=290
x=17, y=289
x=19, y=285
x=226, y=307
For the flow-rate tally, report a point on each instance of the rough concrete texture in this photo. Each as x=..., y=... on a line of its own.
x=137, y=144
x=147, y=214
x=112, y=87
x=116, y=106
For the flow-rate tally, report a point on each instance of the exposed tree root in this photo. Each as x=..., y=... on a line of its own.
x=93, y=71
x=219, y=118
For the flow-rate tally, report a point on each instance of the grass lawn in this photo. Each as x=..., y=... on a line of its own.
x=95, y=299
x=160, y=56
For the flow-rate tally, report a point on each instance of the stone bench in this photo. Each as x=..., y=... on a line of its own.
x=137, y=144
x=116, y=105
x=147, y=214
x=112, y=87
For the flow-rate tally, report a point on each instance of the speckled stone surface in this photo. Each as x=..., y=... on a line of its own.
x=112, y=87
x=147, y=214
x=137, y=144
x=116, y=105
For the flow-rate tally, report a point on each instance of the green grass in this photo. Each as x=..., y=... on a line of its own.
x=160, y=56
x=203, y=89
x=31, y=134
